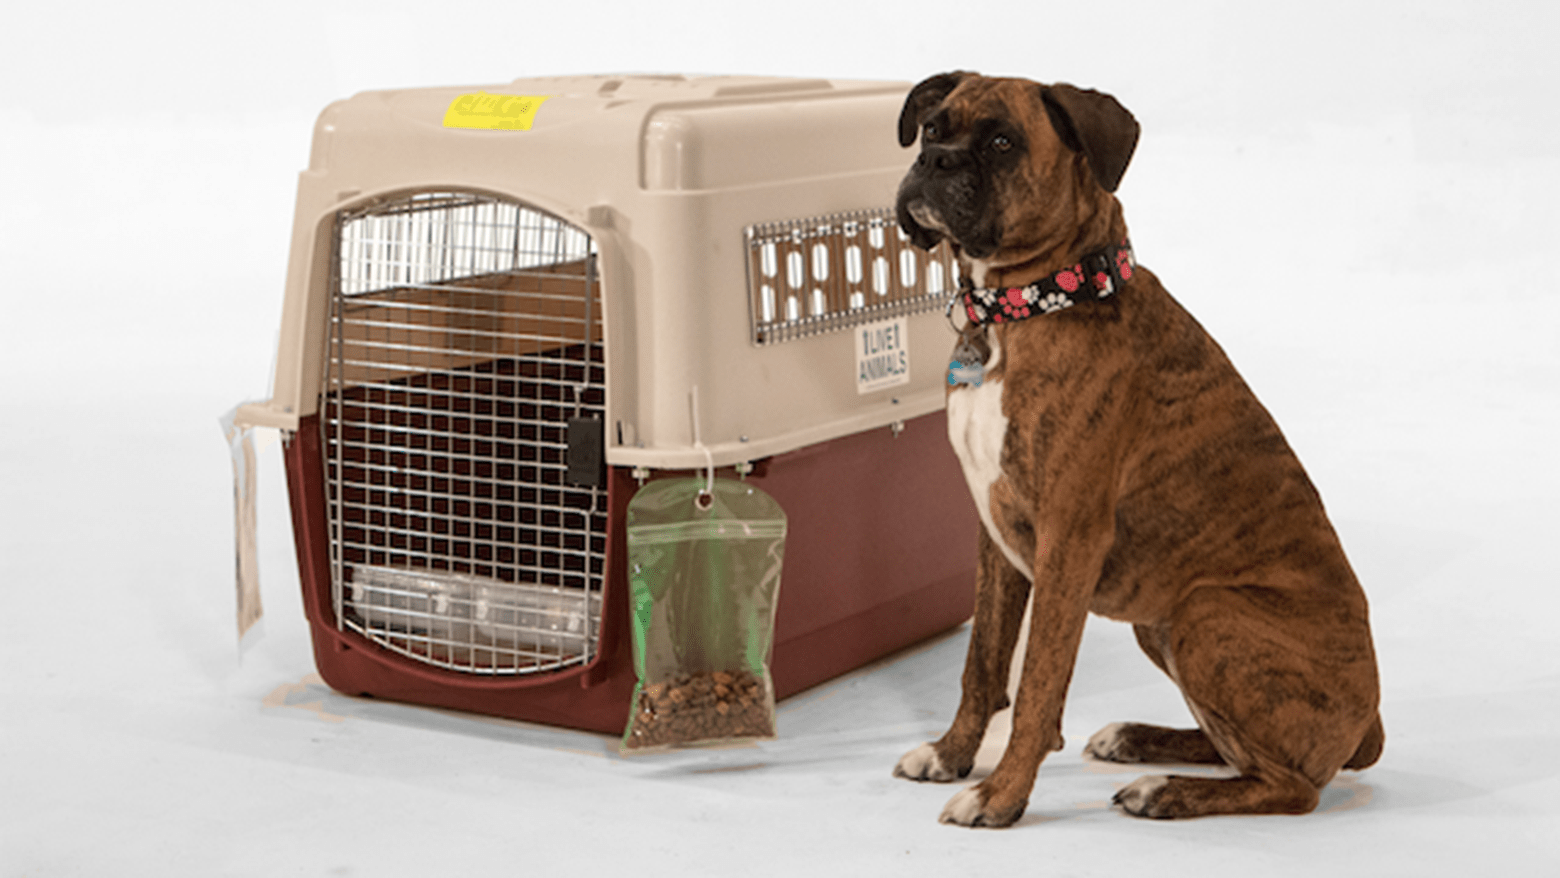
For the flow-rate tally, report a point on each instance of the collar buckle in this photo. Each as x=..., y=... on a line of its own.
x=1104, y=263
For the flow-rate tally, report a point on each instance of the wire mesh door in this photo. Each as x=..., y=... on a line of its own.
x=465, y=335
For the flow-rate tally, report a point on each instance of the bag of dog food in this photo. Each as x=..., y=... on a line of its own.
x=704, y=575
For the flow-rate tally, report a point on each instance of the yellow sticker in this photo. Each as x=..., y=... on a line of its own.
x=493, y=112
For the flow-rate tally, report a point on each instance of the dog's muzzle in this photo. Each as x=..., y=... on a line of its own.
x=942, y=195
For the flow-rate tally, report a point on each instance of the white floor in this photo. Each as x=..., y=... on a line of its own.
x=1360, y=203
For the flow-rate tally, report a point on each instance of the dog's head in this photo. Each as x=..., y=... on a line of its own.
x=1008, y=167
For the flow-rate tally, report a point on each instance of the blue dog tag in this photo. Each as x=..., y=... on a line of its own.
x=961, y=373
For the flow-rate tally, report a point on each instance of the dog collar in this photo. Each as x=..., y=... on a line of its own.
x=1101, y=273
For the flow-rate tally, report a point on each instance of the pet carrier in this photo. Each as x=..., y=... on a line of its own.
x=508, y=307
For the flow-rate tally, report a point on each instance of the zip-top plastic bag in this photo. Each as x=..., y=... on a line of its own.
x=704, y=576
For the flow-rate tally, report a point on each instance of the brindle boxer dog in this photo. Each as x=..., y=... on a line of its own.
x=1120, y=466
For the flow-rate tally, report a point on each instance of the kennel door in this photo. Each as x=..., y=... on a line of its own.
x=464, y=337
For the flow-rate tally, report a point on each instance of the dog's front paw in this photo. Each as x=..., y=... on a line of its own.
x=970, y=807
x=1139, y=798
x=923, y=763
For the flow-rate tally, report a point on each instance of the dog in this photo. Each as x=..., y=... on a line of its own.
x=1120, y=466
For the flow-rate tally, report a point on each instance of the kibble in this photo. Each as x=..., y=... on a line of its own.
x=702, y=706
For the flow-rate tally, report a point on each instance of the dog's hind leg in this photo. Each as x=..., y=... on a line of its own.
x=1001, y=592
x=1137, y=742
x=1282, y=682
x=1140, y=743
x=1166, y=797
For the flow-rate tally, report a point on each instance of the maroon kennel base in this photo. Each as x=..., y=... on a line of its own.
x=879, y=556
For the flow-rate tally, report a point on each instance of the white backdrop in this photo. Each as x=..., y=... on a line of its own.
x=1357, y=198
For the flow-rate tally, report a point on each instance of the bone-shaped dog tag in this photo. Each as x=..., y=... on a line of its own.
x=968, y=363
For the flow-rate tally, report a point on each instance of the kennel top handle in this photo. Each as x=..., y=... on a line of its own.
x=742, y=232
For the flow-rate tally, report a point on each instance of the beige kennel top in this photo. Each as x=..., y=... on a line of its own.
x=741, y=227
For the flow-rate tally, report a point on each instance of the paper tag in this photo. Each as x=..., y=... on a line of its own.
x=490, y=112
x=245, y=551
x=882, y=355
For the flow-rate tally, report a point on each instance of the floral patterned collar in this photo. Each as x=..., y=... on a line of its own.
x=1102, y=272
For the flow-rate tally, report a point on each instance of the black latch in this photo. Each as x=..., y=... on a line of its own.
x=587, y=454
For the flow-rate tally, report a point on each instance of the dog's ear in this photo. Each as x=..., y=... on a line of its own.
x=928, y=92
x=1094, y=124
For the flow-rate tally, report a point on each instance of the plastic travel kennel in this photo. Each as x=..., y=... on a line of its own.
x=508, y=307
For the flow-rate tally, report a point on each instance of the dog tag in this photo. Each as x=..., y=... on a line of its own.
x=968, y=363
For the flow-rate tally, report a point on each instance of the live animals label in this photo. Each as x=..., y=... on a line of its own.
x=882, y=355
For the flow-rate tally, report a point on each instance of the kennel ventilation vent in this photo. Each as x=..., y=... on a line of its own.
x=464, y=338
x=812, y=276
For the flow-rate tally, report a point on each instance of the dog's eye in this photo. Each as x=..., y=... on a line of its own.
x=929, y=131
x=1001, y=143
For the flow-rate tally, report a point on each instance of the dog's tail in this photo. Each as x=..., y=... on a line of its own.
x=1370, y=747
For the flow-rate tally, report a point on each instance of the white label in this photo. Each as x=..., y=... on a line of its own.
x=882, y=355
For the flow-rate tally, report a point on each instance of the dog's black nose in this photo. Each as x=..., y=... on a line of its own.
x=943, y=159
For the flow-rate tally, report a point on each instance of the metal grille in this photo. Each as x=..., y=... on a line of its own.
x=812, y=276
x=465, y=334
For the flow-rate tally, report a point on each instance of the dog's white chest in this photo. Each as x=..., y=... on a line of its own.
x=977, y=429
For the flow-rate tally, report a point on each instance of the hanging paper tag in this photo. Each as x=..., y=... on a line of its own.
x=246, y=553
